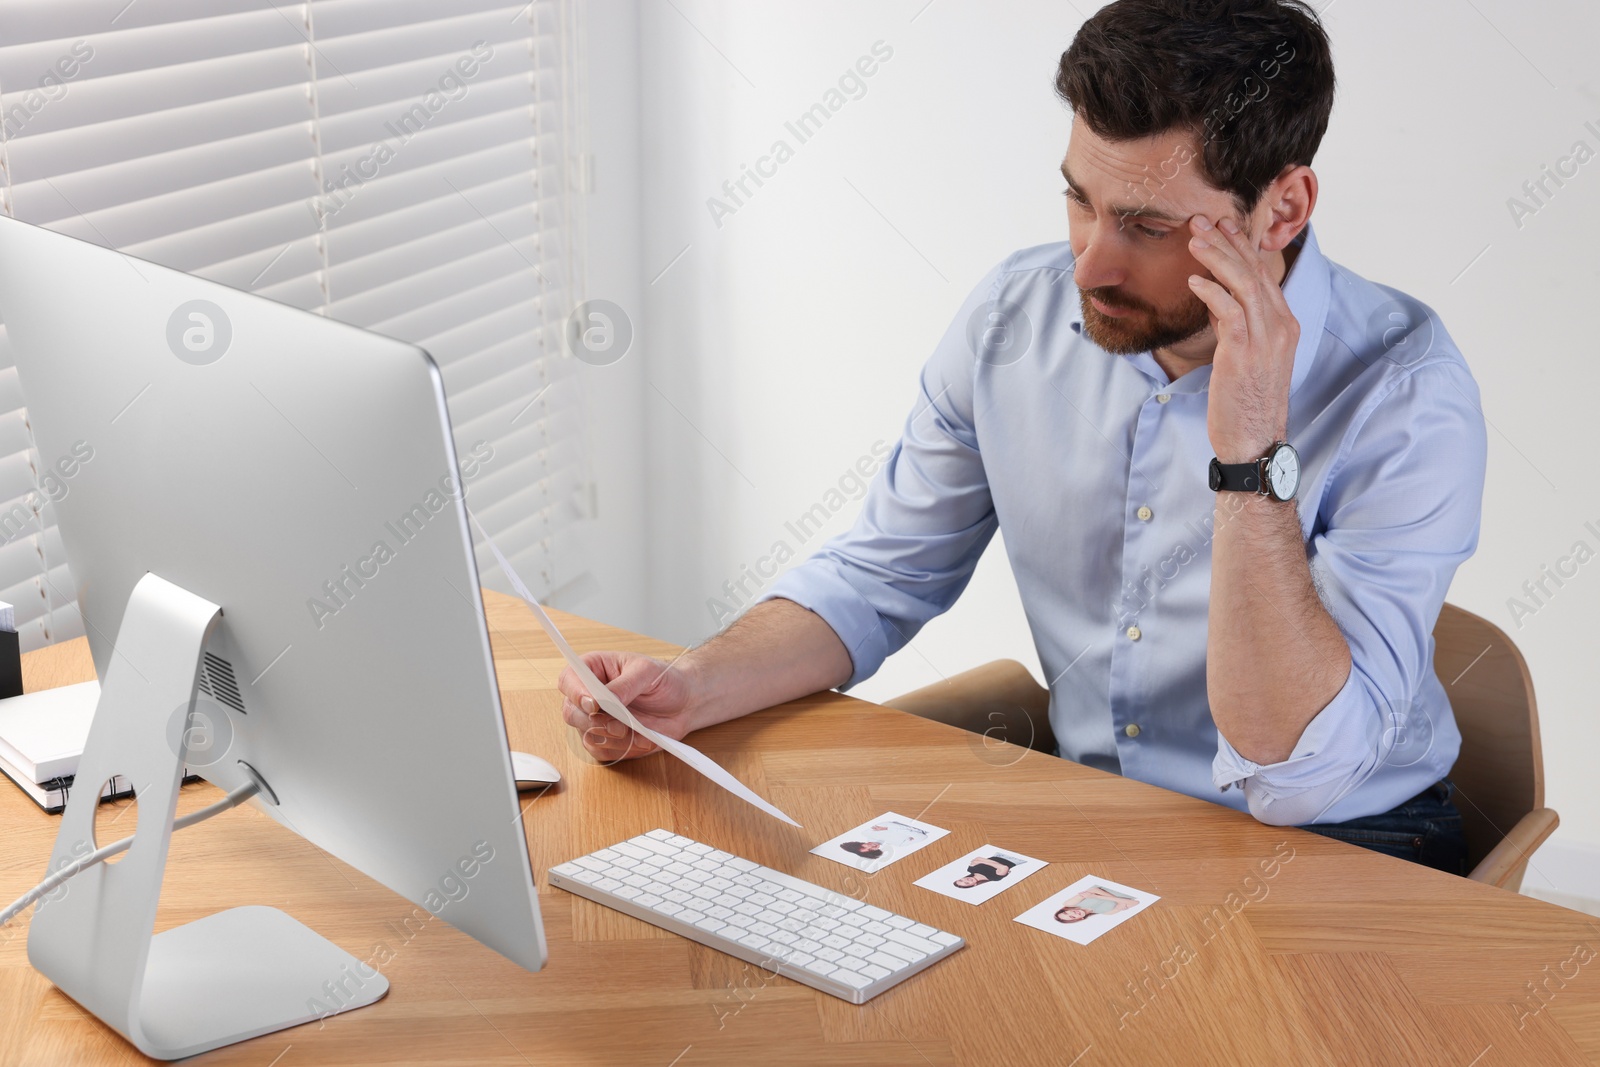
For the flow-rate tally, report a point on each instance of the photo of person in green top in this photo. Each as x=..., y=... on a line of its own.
x=1096, y=900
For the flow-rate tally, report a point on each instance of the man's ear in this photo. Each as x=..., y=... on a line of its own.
x=1287, y=206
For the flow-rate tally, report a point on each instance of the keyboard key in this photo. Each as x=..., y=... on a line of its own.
x=910, y=940
x=899, y=922
x=875, y=972
x=883, y=959
x=910, y=955
x=876, y=913
x=659, y=835
x=944, y=940
x=923, y=930
x=851, y=978
x=633, y=852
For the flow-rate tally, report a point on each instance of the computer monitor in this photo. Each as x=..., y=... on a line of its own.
x=213, y=449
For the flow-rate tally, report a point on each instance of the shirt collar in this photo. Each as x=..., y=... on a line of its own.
x=1306, y=291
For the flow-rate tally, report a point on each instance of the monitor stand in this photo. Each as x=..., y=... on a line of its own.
x=224, y=978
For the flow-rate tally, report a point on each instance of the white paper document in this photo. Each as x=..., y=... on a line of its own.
x=608, y=700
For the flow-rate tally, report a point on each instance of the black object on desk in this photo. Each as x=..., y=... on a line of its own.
x=10, y=664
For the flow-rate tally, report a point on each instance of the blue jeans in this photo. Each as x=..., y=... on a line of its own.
x=1425, y=829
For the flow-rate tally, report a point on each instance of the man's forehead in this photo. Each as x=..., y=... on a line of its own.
x=1154, y=177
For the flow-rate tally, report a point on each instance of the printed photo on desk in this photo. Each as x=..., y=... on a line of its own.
x=1087, y=908
x=982, y=875
x=874, y=845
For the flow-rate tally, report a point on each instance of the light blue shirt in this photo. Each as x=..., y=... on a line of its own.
x=1095, y=466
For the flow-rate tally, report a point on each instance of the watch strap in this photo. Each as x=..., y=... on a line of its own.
x=1238, y=477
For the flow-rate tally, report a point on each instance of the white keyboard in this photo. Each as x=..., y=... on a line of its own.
x=823, y=938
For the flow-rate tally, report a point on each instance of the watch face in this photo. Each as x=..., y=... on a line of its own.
x=1283, y=472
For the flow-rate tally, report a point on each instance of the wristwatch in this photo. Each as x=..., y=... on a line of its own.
x=1276, y=474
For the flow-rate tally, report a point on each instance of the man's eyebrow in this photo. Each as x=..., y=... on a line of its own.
x=1127, y=211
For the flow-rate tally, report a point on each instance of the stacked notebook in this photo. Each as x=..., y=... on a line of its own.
x=41, y=740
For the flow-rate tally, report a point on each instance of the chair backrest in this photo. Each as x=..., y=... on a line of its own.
x=1499, y=775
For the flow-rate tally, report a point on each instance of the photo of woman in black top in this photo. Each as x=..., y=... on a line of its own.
x=982, y=870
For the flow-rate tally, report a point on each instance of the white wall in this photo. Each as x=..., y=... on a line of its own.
x=783, y=343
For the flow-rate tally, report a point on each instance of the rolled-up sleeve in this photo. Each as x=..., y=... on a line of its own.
x=1401, y=512
x=925, y=520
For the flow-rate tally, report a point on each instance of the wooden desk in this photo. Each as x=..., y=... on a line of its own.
x=1341, y=956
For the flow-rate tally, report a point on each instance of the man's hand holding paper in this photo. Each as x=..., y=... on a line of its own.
x=659, y=695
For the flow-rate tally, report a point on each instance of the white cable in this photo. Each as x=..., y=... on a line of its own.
x=238, y=796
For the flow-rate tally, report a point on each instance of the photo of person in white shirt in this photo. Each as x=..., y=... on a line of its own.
x=888, y=836
x=879, y=842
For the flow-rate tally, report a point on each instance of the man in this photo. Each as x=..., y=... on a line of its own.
x=1235, y=478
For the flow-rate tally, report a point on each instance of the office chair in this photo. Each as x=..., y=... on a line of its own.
x=1499, y=775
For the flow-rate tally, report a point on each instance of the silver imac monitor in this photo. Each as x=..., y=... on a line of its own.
x=262, y=509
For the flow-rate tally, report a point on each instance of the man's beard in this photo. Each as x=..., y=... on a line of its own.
x=1146, y=329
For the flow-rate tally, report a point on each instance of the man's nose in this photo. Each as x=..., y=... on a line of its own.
x=1099, y=265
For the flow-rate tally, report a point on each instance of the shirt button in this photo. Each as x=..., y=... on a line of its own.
x=1134, y=633
x=1162, y=398
x=1144, y=513
x=1132, y=730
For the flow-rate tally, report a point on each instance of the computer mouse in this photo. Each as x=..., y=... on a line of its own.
x=530, y=771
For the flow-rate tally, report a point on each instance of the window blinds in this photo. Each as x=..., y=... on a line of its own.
x=396, y=164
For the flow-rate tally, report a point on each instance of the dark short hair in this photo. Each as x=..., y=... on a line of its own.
x=1252, y=79
x=860, y=848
